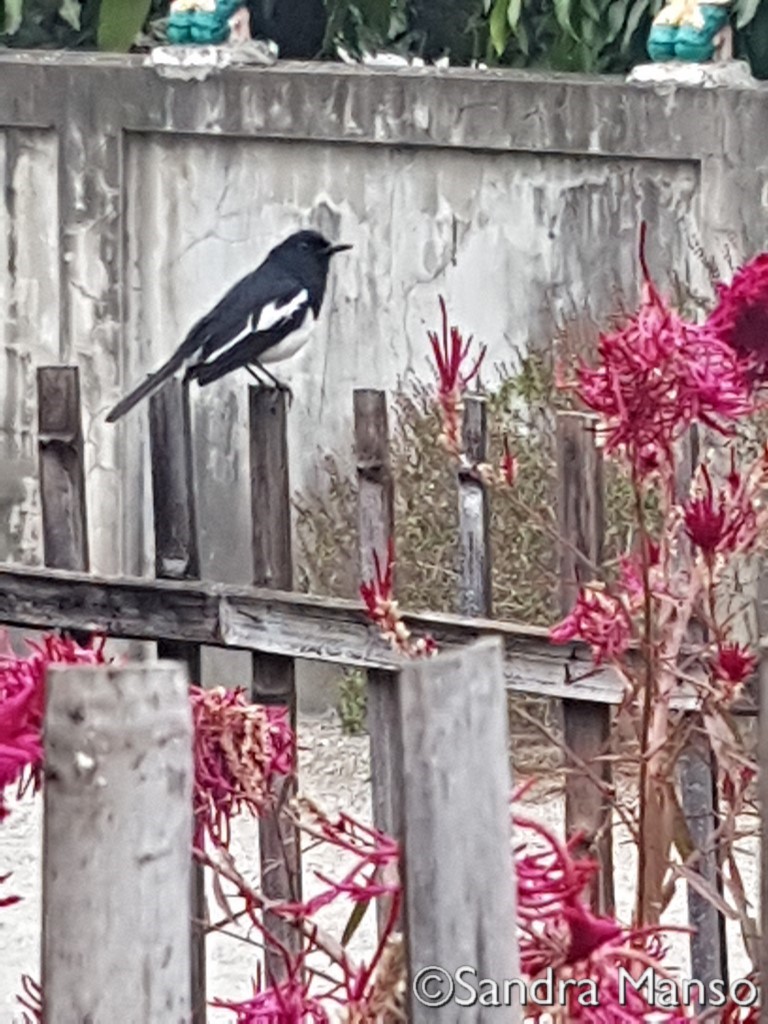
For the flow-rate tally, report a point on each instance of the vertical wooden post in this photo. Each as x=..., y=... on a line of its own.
x=458, y=862
x=116, y=838
x=474, y=517
x=376, y=526
x=698, y=792
x=177, y=557
x=62, y=472
x=762, y=776
x=587, y=724
x=274, y=679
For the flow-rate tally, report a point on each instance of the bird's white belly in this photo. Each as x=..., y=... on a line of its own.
x=292, y=344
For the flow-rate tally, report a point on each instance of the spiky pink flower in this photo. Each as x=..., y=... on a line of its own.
x=22, y=699
x=454, y=375
x=382, y=608
x=287, y=1003
x=559, y=933
x=658, y=374
x=600, y=619
x=239, y=748
x=31, y=1000
x=734, y=663
x=740, y=317
x=729, y=521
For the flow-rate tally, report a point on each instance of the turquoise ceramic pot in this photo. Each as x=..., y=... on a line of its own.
x=179, y=28
x=661, y=42
x=693, y=44
x=208, y=27
x=715, y=17
x=226, y=8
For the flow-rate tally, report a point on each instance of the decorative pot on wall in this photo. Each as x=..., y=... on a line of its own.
x=686, y=30
x=203, y=22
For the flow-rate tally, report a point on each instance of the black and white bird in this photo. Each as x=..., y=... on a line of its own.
x=265, y=318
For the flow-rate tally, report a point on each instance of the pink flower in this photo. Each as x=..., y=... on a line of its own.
x=558, y=932
x=728, y=521
x=288, y=1003
x=31, y=1000
x=740, y=318
x=22, y=699
x=451, y=353
x=734, y=663
x=239, y=748
x=598, y=618
x=657, y=375
x=382, y=609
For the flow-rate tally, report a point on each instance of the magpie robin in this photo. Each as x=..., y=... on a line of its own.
x=265, y=318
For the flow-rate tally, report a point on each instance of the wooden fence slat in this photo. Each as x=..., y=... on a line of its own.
x=762, y=777
x=62, y=473
x=376, y=526
x=177, y=557
x=587, y=724
x=458, y=861
x=698, y=791
x=331, y=630
x=274, y=679
x=475, y=596
x=116, y=839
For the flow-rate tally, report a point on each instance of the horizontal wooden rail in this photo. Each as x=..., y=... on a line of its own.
x=288, y=624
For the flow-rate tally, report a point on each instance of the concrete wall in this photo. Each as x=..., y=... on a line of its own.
x=130, y=202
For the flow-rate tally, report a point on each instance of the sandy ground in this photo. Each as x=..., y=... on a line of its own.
x=335, y=773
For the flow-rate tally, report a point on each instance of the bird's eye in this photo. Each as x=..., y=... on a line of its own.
x=304, y=245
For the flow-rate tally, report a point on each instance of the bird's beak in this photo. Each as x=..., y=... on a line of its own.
x=336, y=248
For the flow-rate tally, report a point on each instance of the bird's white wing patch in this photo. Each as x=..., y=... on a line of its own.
x=272, y=314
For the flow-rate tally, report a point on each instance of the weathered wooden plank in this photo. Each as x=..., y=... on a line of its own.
x=293, y=625
x=474, y=597
x=587, y=724
x=376, y=529
x=62, y=472
x=177, y=557
x=173, y=484
x=116, y=840
x=458, y=865
x=698, y=792
x=274, y=677
x=762, y=779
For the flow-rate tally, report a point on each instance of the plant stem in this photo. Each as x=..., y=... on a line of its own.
x=646, y=653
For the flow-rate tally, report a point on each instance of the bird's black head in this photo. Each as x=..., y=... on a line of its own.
x=306, y=251
x=306, y=256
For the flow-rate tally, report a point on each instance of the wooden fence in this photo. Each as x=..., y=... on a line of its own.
x=277, y=625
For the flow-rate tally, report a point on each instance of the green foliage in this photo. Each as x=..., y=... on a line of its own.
x=364, y=24
x=559, y=35
x=74, y=24
x=120, y=21
x=352, y=702
x=569, y=35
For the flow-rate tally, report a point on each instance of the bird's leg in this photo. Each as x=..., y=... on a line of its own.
x=255, y=375
x=276, y=384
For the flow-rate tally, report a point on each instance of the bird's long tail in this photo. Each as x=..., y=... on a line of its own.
x=147, y=387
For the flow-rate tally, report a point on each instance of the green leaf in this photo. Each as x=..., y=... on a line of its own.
x=357, y=915
x=514, y=11
x=120, y=21
x=634, y=17
x=499, y=26
x=563, y=15
x=745, y=11
x=617, y=14
x=592, y=10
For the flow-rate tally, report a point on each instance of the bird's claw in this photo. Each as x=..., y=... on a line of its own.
x=286, y=391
